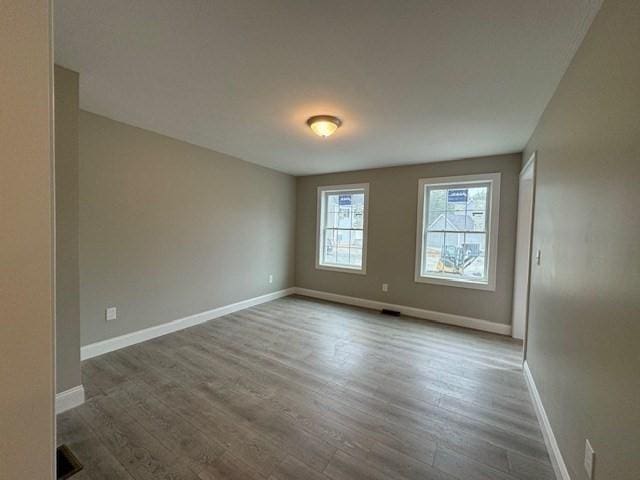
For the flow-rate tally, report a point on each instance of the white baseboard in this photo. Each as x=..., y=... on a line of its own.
x=74, y=397
x=557, y=461
x=116, y=343
x=105, y=346
x=440, y=317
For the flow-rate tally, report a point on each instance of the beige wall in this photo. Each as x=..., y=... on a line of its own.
x=584, y=330
x=67, y=264
x=393, y=200
x=168, y=229
x=26, y=242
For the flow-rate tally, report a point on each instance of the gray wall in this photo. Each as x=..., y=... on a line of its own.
x=393, y=202
x=67, y=264
x=26, y=241
x=168, y=229
x=584, y=328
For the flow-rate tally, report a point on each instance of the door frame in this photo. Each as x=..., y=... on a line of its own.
x=531, y=163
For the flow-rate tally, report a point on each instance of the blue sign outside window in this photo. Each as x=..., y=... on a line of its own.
x=457, y=196
x=344, y=200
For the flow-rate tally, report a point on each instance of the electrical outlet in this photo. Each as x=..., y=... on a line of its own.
x=385, y=287
x=589, y=457
x=111, y=314
x=270, y=278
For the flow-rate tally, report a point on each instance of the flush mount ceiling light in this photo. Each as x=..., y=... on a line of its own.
x=324, y=125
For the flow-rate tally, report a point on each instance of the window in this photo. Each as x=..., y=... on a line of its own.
x=458, y=231
x=342, y=228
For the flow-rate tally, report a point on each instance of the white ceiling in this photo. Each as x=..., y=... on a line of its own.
x=413, y=81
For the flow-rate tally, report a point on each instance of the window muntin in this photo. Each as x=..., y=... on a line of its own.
x=455, y=226
x=342, y=218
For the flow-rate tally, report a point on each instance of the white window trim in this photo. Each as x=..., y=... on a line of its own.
x=320, y=226
x=492, y=230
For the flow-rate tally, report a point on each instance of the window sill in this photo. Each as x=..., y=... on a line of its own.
x=335, y=268
x=490, y=286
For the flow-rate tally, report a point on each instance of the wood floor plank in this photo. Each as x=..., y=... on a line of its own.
x=340, y=431
x=98, y=462
x=293, y=469
x=180, y=437
x=440, y=378
x=238, y=401
x=464, y=468
x=346, y=467
x=228, y=467
x=234, y=433
x=299, y=388
x=529, y=469
x=436, y=425
x=477, y=447
x=140, y=454
x=403, y=466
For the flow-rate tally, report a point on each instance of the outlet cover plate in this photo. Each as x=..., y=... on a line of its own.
x=111, y=314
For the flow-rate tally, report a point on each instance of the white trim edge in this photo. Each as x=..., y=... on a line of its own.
x=116, y=343
x=559, y=467
x=440, y=317
x=74, y=397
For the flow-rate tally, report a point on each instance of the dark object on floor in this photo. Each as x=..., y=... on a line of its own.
x=390, y=312
x=67, y=463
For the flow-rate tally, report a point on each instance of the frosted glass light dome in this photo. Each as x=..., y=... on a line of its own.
x=324, y=125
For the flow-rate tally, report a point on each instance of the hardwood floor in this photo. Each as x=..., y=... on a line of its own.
x=302, y=389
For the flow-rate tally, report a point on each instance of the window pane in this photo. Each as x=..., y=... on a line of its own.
x=332, y=202
x=344, y=217
x=432, y=249
x=477, y=209
x=355, y=257
x=437, y=220
x=332, y=210
x=450, y=260
x=477, y=198
x=436, y=216
x=476, y=221
x=457, y=220
x=474, y=256
x=465, y=209
x=457, y=199
x=437, y=199
x=331, y=218
x=357, y=216
x=357, y=239
x=329, y=250
x=342, y=256
x=343, y=238
x=358, y=199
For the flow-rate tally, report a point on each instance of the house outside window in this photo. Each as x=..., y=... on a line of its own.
x=457, y=231
x=341, y=237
